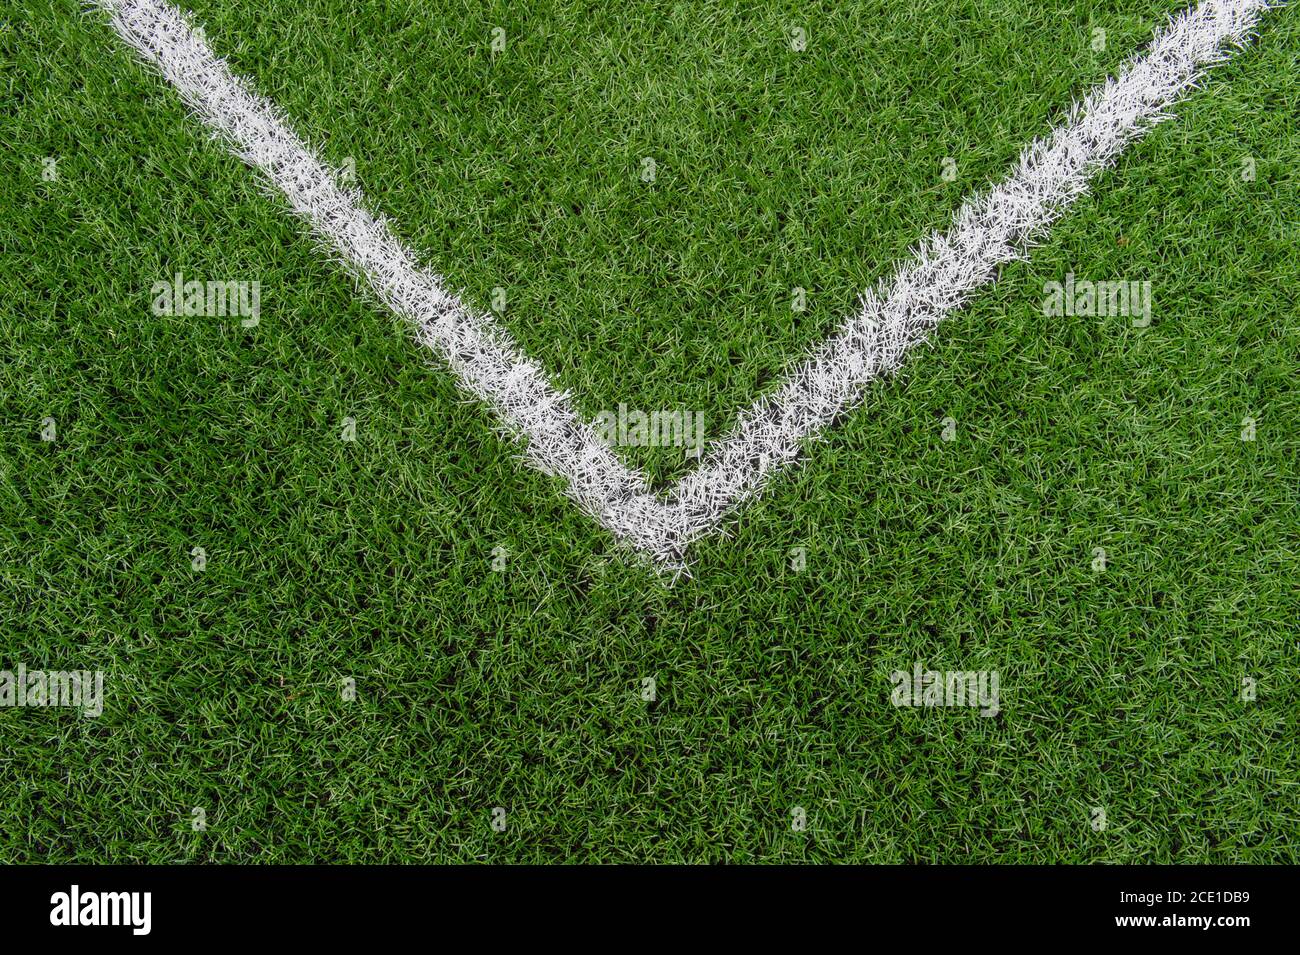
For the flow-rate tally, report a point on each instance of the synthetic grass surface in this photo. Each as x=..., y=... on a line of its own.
x=522, y=689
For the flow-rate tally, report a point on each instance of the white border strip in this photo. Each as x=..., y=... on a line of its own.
x=990, y=230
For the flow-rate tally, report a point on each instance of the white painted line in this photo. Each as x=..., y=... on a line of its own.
x=482, y=355
x=990, y=230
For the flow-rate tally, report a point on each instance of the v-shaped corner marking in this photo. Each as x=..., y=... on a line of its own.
x=990, y=229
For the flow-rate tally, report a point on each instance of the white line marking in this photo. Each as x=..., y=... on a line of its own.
x=990, y=230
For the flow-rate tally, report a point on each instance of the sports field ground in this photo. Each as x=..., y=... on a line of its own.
x=341, y=615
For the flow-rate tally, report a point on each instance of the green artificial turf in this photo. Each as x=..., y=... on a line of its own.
x=522, y=689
